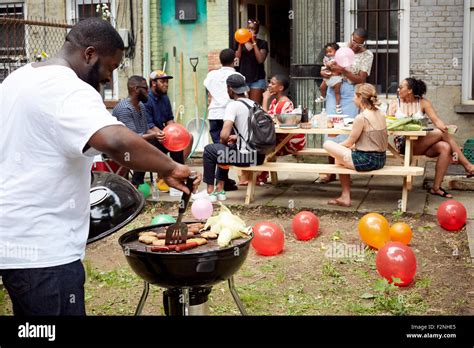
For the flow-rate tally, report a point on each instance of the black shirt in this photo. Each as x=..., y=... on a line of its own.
x=248, y=66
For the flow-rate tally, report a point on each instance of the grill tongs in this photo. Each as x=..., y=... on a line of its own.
x=177, y=233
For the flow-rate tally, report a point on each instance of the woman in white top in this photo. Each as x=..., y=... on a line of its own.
x=438, y=143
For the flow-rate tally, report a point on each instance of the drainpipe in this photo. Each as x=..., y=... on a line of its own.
x=146, y=38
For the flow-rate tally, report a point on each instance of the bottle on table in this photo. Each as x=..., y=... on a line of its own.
x=323, y=119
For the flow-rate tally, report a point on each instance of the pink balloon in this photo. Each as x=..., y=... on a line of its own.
x=345, y=57
x=202, y=209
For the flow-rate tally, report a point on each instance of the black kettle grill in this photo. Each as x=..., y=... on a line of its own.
x=188, y=276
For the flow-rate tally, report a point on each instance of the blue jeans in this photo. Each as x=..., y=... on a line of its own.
x=215, y=127
x=54, y=291
x=259, y=84
x=347, y=105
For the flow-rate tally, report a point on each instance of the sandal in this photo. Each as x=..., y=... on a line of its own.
x=320, y=99
x=338, y=109
x=444, y=193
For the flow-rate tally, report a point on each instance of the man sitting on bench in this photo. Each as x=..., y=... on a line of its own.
x=233, y=147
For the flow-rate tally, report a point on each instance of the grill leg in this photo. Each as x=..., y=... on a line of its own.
x=146, y=289
x=236, y=297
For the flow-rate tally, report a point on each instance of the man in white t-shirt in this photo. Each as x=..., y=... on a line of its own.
x=53, y=123
x=232, y=149
x=215, y=83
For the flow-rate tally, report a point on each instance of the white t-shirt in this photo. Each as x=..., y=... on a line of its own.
x=238, y=113
x=47, y=116
x=215, y=83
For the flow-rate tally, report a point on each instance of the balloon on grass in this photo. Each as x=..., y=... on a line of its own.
x=452, y=215
x=396, y=260
x=305, y=225
x=202, y=209
x=268, y=238
x=374, y=230
x=163, y=219
x=145, y=189
x=177, y=137
x=401, y=232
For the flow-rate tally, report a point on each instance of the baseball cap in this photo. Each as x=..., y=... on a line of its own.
x=236, y=82
x=159, y=74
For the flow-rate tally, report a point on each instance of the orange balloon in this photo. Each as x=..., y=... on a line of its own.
x=374, y=230
x=242, y=35
x=401, y=232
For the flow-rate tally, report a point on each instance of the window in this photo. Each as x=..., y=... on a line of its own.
x=387, y=25
x=12, y=39
x=468, y=54
x=81, y=9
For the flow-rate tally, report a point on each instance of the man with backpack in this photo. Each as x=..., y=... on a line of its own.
x=254, y=137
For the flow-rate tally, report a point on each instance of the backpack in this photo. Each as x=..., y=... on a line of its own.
x=261, y=130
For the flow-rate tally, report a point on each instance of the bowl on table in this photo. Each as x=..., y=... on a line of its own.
x=289, y=120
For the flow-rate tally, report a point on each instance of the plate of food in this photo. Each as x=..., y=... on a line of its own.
x=338, y=120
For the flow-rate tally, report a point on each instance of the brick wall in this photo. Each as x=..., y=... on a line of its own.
x=436, y=48
x=217, y=30
x=436, y=32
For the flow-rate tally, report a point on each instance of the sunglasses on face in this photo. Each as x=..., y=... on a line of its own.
x=355, y=43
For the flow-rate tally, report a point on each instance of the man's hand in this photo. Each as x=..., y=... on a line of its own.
x=232, y=139
x=179, y=175
x=160, y=136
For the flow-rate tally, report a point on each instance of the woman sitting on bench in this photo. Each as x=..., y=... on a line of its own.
x=438, y=143
x=369, y=138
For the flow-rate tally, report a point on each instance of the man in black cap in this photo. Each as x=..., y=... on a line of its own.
x=233, y=148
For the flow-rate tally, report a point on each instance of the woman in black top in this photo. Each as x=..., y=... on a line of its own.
x=252, y=57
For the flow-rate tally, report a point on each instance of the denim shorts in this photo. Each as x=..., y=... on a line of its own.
x=259, y=84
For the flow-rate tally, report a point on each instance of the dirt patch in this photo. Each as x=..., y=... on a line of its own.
x=308, y=278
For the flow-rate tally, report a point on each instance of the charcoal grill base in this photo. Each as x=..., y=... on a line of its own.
x=188, y=301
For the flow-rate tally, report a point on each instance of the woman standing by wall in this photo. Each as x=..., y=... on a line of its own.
x=252, y=56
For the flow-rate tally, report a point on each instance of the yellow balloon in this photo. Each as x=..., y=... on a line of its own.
x=374, y=230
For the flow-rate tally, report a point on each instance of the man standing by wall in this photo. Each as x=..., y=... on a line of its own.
x=215, y=83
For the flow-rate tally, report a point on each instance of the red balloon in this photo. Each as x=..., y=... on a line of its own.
x=268, y=238
x=397, y=260
x=452, y=215
x=305, y=225
x=177, y=137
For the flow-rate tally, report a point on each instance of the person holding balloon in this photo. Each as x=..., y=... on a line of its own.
x=368, y=137
x=354, y=65
x=252, y=53
x=335, y=80
x=159, y=115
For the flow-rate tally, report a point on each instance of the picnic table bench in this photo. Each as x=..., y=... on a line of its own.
x=405, y=170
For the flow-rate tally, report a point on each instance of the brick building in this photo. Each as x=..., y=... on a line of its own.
x=428, y=39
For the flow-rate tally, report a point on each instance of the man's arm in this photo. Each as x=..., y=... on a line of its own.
x=226, y=131
x=132, y=151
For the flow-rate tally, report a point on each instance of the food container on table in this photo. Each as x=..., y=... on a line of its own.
x=337, y=120
x=288, y=120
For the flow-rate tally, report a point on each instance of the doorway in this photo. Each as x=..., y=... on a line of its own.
x=274, y=18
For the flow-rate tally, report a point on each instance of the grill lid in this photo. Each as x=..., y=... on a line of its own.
x=114, y=204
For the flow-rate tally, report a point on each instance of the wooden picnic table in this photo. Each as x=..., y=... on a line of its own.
x=406, y=169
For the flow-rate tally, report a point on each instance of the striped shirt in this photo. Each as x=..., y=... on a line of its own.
x=126, y=113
